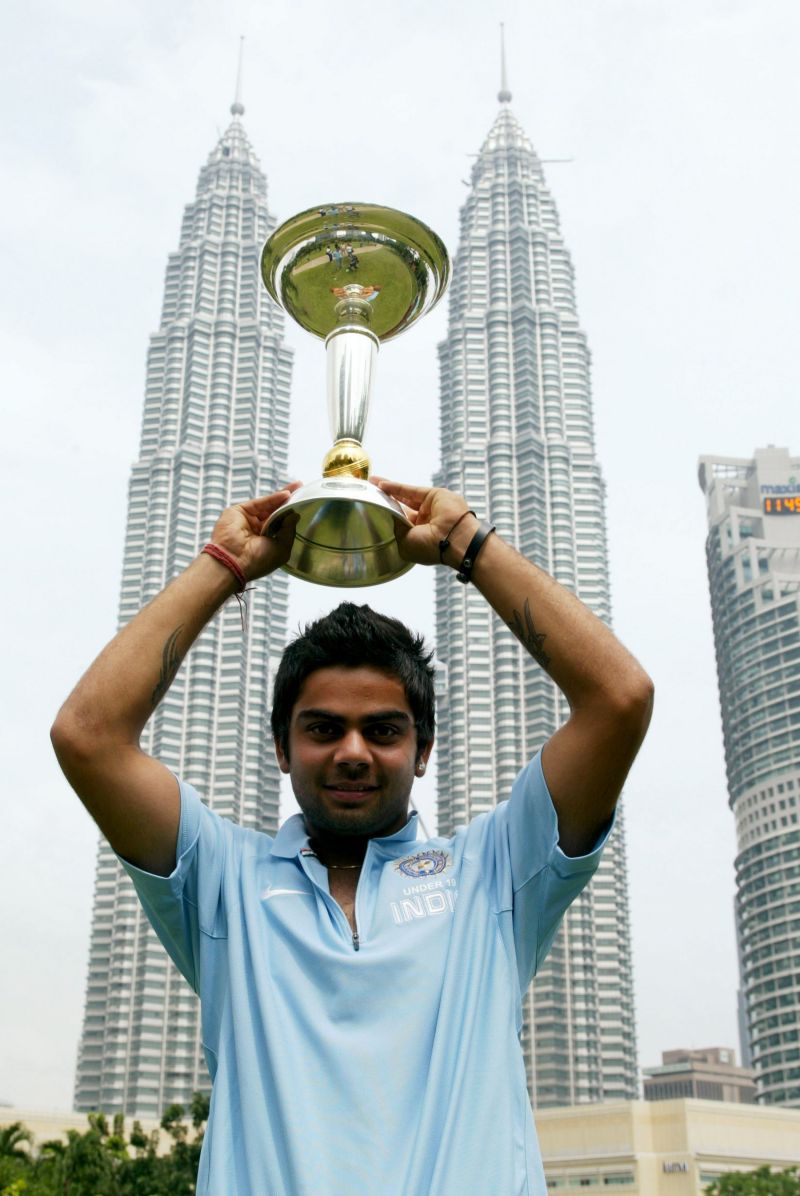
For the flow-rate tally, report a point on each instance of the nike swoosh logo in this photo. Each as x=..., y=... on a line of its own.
x=270, y=892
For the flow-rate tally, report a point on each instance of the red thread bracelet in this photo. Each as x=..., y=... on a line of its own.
x=230, y=562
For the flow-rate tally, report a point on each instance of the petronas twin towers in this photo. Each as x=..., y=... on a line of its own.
x=517, y=440
x=215, y=430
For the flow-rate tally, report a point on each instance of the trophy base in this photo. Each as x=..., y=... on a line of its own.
x=345, y=534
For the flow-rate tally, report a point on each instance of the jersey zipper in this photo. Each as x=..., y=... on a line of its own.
x=356, y=935
x=339, y=912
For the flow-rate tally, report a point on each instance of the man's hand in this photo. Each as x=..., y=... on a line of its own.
x=240, y=531
x=133, y=798
x=587, y=759
x=433, y=512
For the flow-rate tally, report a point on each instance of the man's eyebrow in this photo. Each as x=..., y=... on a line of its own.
x=388, y=716
x=380, y=716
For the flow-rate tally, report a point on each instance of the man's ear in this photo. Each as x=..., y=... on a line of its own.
x=423, y=753
x=283, y=759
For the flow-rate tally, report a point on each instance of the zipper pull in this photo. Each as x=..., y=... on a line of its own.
x=356, y=942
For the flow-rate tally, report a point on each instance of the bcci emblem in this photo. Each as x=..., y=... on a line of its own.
x=426, y=863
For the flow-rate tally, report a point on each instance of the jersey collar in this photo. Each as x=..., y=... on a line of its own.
x=292, y=836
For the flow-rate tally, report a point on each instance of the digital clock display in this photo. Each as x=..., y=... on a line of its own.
x=784, y=504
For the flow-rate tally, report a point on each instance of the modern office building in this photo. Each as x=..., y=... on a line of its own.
x=517, y=440
x=753, y=552
x=707, y=1073
x=215, y=430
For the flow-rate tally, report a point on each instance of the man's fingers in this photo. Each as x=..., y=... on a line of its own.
x=410, y=496
x=263, y=507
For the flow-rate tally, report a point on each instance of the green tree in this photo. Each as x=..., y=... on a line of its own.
x=761, y=1182
x=173, y=1123
x=199, y=1108
x=15, y=1188
x=12, y=1138
x=16, y=1159
x=14, y=1174
x=83, y=1165
x=182, y=1161
x=101, y=1162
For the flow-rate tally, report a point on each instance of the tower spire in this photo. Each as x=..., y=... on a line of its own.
x=237, y=107
x=503, y=95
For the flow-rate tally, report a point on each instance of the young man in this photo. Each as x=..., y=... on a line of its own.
x=361, y=989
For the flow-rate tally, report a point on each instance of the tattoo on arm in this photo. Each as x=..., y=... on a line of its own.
x=170, y=663
x=532, y=639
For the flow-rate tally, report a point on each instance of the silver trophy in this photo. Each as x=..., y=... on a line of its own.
x=355, y=275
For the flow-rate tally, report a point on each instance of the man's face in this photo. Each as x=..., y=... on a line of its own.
x=353, y=752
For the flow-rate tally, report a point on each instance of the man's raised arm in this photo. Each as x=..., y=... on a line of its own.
x=610, y=696
x=133, y=798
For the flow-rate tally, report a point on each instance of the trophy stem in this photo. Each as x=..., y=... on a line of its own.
x=351, y=352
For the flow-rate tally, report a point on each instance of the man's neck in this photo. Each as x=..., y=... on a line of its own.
x=342, y=851
x=337, y=851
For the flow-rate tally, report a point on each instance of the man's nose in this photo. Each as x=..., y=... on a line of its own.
x=352, y=748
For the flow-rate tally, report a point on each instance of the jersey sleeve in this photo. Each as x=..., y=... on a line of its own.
x=535, y=881
x=188, y=903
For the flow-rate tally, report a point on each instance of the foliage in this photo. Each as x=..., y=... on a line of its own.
x=101, y=1162
x=11, y=1139
x=200, y=1107
x=762, y=1182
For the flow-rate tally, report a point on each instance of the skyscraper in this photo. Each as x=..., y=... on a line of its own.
x=753, y=552
x=517, y=440
x=215, y=430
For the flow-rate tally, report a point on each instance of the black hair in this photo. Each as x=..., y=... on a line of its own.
x=353, y=636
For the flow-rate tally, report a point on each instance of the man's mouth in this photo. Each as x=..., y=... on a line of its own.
x=350, y=791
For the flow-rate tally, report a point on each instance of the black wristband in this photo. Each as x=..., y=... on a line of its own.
x=475, y=545
x=445, y=543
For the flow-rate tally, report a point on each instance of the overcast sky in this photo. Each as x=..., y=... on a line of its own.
x=680, y=207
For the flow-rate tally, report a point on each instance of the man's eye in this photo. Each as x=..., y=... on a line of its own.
x=384, y=731
x=323, y=729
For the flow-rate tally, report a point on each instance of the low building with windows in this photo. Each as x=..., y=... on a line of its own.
x=709, y=1073
x=662, y=1148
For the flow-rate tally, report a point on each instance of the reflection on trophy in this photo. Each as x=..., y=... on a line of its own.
x=356, y=275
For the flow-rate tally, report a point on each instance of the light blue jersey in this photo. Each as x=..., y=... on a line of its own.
x=385, y=1063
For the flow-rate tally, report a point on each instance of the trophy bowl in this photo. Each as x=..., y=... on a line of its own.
x=354, y=275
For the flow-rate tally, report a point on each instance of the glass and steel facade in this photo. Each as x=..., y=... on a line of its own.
x=215, y=430
x=753, y=552
x=517, y=439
